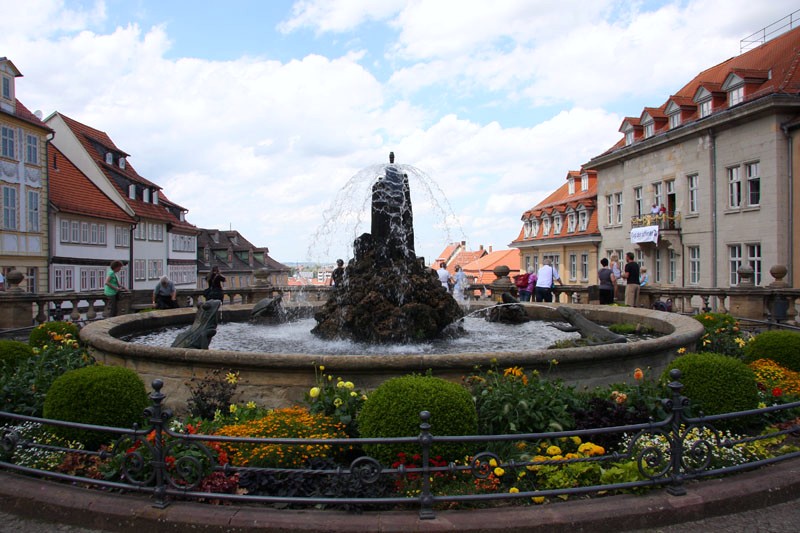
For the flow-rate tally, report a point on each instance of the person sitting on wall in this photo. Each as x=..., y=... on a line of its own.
x=165, y=295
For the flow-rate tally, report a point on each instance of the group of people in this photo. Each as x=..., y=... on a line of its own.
x=538, y=285
x=635, y=277
x=165, y=295
x=455, y=284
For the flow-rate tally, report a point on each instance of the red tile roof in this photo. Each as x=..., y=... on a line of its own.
x=482, y=270
x=779, y=56
x=72, y=192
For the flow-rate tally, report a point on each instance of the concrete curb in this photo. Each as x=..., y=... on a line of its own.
x=90, y=508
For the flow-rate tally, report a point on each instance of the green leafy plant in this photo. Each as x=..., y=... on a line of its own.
x=783, y=347
x=722, y=334
x=393, y=410
x=24, y=388
x=212, y=394
x=337, y=398
x=98, y=395
x=45, y=450
x=11, y=352
x=513, y=401
x=41, y=334
x=716, y=384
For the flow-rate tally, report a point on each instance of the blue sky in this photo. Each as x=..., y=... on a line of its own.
x=257, y=115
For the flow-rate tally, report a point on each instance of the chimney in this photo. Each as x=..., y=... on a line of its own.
x=481, y=248
x=490, y=249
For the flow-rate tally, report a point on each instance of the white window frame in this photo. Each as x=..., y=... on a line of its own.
x=535, y=227
x=734, y=187
x=754, y=260
x=672, y=273
x=649, y=129
x=571, y=222
x=674, y=120
x=638, y=201
x=9, y=208
x=692, y=183
x=658, y=193
x=571, y=185
x=545, y=226
x=33, y=211
x=139, y=269
x=734, y=262
x=122, y=237
x=694, y=264
x=31, y=149
x=629, y=137
x=736, y=96
x=84, y=233
x=583, y=220
x=584, y=267
x=704, y=108
x=75, y=231
x=65, y=231
x=7, y=138
x=573, y=267
x=752, y=173
x=618, y=201
x=558, y=222
x=609, y=209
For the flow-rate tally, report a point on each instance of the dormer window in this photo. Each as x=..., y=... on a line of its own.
x=583, y=220
x=628, y=137
x=571, y=222
x=571, y=185
x=704, y=108
x=183, y=215
x=535, y=227
x=556, y=224
x=584, y=182
x=6, y=87
x=526, y=229
x=122, y=163
x=132, y=191
x=736, y=96
x=545, y=227
x=155, y=198
x=109, y=158
x=674, y=120
x=146, y=195
x=649, y=129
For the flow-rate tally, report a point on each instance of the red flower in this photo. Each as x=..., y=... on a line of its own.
x=777, y=391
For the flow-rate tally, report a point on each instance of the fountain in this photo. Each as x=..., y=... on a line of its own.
x=387, y=296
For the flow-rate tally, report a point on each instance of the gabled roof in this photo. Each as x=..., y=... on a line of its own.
x=22, y=113
x=72, y=192
x=482, y=270
x=769, y=69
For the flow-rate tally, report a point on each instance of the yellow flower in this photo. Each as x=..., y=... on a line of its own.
x=251, y=404
x=499, y=472
x=321, y=368
x=330, y=377
x=353, y=393
x=349, y=385
x=576, y=440
x=554, y=362
x=364, y=397
x=314, y=392
x=513, y=490
x=340, y=384
x=740, y=342
x=232, y=408
x=232, y=378
x=538, y=499
x=681, y=350
x=337, y=402
x=553, y=450
x=761, y=405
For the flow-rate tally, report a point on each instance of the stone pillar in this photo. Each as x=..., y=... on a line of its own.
x=781, y=307
x=262, y=288
x=746, y=300
x=16, y=306
x=501, y=284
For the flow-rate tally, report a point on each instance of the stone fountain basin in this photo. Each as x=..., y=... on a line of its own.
x=281, y=380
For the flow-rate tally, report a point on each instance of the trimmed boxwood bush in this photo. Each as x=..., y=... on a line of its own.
x=783, y=347
x=12, y=352
x=98, y=395
x=716, y=383
x=40, y=335
x=393, y=411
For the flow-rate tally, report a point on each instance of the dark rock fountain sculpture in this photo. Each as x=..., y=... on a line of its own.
x=388, y=295
x=203, y=329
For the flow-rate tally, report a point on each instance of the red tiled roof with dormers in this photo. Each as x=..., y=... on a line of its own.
x=561, y=201
x=72, y=192
x=771, y=68
x=90, y=138
x=482, y=270
x=22, y=113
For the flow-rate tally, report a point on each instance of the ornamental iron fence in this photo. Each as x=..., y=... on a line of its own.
x=170, y=464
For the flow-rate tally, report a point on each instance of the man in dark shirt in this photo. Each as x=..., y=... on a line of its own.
x=631, y=275
x=337, y=276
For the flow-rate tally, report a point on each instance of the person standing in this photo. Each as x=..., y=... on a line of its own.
x=631, y=276
x=546, y=278
x=444, y=276
x=112, y=288
x=607, y=283
x=615, y=269
x=215, y=281
x=531, y=283
x=337, y=276
x=460, y=284
x=165, y=296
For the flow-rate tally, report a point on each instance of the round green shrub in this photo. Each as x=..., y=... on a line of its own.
x=783, y=347
x=40, y=335
x=12, y=352
x=98, y=395
x=393, y=409
x=716, y=383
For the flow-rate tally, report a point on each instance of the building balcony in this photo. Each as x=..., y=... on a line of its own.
x=664, y=221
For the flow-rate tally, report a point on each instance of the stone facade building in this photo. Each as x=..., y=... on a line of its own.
x=720, y=156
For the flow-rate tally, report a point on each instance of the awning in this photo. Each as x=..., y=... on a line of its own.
x=644, y=234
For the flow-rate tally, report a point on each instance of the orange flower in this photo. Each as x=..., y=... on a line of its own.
x=638, y=375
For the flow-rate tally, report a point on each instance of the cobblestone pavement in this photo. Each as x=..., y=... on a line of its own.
x=781, y=518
